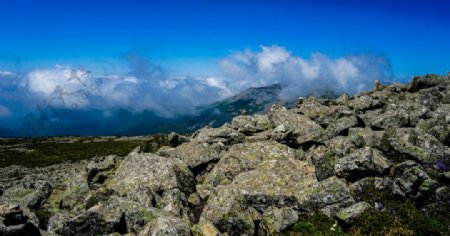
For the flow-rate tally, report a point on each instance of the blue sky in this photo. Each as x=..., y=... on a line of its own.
x=165, y=55
x=413, y=34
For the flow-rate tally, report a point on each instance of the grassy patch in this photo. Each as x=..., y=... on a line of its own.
x=401, y=217
x=42, y=153
x=314, y=225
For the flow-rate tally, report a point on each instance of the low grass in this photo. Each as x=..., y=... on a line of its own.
x=42, y=153
x=398, y=216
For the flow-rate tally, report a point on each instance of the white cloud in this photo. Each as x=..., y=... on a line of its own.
x=6, y=74
x=302, y=76
x=148, y=87
x=142, y=89
x=269, y=57
x=4, y=111
x=61, y=83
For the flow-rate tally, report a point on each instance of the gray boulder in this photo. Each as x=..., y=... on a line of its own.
x=323, y=160
x=224, y=134
x=175, y=139
x=411, y=180
x=353, y=212
x=417, y=144
x=390, y=118
x=275, y=220
x=194, y=153
x=427, y=81
x=87, y=223
x=40, y=196
x=164, y=225
x=226, y=209
x=362, y=137
x=339, y=126
x=141, y=176
x=361, y=163
x=302, y=127
x=362, y=103
x=244, y=157
x=383, y=185
x=340, y=145
x=271, y=184
x=315, y=110
x=16, y=221
x=75, y=192
x=329, y=196
x=437, y=126
x=251, y=124
x=99, y=169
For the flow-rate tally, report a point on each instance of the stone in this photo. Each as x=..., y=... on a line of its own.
x=40, y=196
x=376, y=85
x=141, y=176
x=340, y=126
x=362, y=137
x=224, y=134
x=340, y=145
x=353, y=212
x=417, y=144
x=244, y=157
x=271, y=184
x=176, y=139
x=437, y=126
x=443, y=194
x=251, y=124
x=427, y=81
x=205, y=229
x=391, y=118
x=361, y=103
x=382, y=185
x=343, y=99
x=329, y=196
x=98, y=170
x=275, y=220
x=302, y=127
x=361, y=163
x=314, y=109
x=447, y=175
x=323, y=160
x=226, y=210
x=172, y=201
x=166, y=226
x=88, y=223
x=76, y=190
x=195, y=154
x=410, y=177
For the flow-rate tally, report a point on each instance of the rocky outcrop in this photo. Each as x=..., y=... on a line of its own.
x=258, y=175
x=16, y=221
x=360, y=163
x=351, y=213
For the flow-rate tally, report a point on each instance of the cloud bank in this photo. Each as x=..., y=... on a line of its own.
x=4, y=111
x=302, y=76
x=148, y=86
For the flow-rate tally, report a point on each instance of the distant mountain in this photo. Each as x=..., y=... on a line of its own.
x=123, y=122
x=252, y=100
x=7, y=133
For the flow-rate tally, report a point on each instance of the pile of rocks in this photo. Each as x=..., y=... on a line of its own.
x=258, y=174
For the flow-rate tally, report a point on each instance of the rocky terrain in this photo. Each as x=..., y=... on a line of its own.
x=375, y=163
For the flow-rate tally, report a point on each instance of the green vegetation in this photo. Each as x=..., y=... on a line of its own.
x=396, y=216
x=315, y=225
x=41, y=152
x=401, y=217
